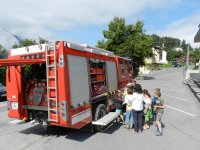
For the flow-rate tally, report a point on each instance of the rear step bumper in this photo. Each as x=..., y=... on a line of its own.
x=106, y=119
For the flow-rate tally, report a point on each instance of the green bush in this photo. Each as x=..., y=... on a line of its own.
x=166, y=65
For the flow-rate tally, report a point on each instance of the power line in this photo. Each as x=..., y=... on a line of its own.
x=18, y=38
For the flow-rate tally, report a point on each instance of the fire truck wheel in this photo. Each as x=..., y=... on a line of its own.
x=99, y=113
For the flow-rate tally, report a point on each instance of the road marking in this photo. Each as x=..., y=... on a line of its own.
x=181, y=111
x=176, y=97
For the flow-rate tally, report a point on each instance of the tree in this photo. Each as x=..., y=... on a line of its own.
x=196, y=53
x=170, y=45
x=24, y=43
x=29, y=42
x=127, y=40
x=42, y=41
x=3, y=52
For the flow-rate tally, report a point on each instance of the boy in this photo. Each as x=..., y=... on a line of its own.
x=159, y=108
x=118, y=106
x=155, y=97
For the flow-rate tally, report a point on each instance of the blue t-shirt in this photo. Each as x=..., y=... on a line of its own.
x=154, y=100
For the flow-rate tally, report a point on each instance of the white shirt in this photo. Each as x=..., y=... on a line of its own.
x=128, y=100
x=137, y=103
x=147, y=100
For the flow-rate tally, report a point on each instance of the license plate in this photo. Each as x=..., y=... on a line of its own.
x=2, y=95
x=14, y=105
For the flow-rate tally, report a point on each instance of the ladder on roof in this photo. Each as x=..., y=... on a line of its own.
x=52, y=90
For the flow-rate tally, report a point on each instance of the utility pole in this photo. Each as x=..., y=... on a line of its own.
x=187, y=75
x=187, y=59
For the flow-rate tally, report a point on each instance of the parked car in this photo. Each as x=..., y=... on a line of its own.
x=2, y=92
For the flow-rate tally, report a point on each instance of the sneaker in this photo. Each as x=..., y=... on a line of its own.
x=126, y=126
x=140, y=131
x=158, y=133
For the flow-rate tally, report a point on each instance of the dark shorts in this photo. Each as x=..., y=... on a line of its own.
x=158, y=117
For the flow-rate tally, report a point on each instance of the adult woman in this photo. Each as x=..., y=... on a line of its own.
x=137, y=108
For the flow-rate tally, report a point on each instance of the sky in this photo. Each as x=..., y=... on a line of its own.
x=82, y=21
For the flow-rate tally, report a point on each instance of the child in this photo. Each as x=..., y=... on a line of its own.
x=157, y=90
x=147, y=110
x=129, y=112
x=118, y=106
x=129, y=85
x=159, y=108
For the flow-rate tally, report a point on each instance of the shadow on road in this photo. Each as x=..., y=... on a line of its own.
x=112, y=128
x=54, y=131
x=163, y=125
x=147, y=78
x=51, y=131
x=79, y=135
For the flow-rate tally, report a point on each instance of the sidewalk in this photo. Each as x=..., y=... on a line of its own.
x=194, y=87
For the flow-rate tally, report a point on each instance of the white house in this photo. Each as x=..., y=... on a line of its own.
x=178, y=49
x=159, y=57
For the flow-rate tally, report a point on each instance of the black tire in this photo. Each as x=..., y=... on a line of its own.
x=99, y=113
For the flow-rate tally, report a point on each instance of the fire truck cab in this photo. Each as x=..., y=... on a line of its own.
x=65, y=84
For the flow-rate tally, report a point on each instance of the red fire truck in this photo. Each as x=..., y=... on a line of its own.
x=64, y=84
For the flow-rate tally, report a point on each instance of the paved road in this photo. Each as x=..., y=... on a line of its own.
x=181, y=120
